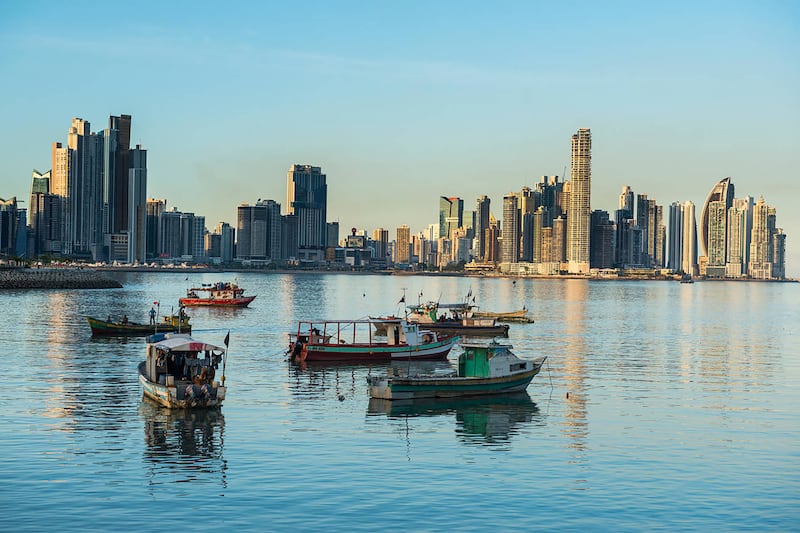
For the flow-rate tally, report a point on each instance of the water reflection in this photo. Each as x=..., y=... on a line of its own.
x=184, y=445
x=490, y=421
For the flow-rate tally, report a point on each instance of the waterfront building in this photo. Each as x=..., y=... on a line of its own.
x=403, y=251
x=227, y=241
x=137, y=205
x=682, y=253
x=380, y=239
x=511, y=230
x=116, y=163
x=578, y=214
x=675, y=244
x=492, y=241
x=762, y=242
x=779, y=254
x=713, y=227
x=154, y=208
x=558, y=247
x=601, y=244
x=169, y=234
x=258, y=231
x=307, y=200
x=332, y=237
x=11, y=220
x=482, y=224
x=45, y=210
x=451, y=215
x=689, y=240
x=740, y=226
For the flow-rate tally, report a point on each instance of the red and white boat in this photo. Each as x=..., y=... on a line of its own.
x=221, y=294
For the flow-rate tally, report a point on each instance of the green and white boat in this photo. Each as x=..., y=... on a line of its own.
x=483, y=369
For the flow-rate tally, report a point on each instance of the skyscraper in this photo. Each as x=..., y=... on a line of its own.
x=403, y=244
x=137, y=205
x=116, y=164
x=482, y=224
x=689, y=240
x=578, y=214
x=307, y=199
x=451, y=215
x=762, y=241
x=509, y=252
x=154, y=209
x=713, y=227
x=259, y=231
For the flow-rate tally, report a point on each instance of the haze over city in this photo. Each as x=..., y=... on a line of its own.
x=401, y=104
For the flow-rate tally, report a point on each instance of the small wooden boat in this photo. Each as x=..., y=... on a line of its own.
x=353, y=340
x=483, y=369
x=171, y=323
x=457, y=319
x=509, y=316
x=178, y=372
x=222, y=294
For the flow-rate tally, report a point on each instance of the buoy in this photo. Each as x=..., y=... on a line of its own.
x=341, y=397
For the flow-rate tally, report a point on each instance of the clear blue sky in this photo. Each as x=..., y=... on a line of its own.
x=402, y=102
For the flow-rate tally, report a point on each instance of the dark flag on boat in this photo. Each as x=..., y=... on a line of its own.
x=402, y=299
x=227, y=338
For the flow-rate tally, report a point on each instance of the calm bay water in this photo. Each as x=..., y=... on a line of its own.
x=663, y=405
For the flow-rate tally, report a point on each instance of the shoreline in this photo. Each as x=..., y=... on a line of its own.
x=217, y=270
x=55, y=278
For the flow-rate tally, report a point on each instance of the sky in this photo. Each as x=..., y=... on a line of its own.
x=403, y=102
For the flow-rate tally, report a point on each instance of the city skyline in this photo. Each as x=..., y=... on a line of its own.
x=677, y=99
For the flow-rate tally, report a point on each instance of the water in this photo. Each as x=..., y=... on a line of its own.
x=662, y=406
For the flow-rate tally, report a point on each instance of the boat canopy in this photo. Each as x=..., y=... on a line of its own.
x=180, y=343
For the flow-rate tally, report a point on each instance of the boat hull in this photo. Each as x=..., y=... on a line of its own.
x=377, y=352
x=410, y=388
x=498, y=330
x=101, y=328
x=511, y=316
x=216, y=302
x=171, y=397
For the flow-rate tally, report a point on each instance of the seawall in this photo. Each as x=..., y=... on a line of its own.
x=55, y=278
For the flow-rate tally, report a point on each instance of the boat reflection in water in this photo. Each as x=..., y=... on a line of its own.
x=184, y=445
x=485, y=421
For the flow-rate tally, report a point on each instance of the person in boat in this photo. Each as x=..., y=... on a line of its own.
x=152, y=315
x=124, y=319
x=199, y=389
x=108, y=319
x=182, y=312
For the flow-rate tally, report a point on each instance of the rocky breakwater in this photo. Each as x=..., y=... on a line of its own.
x=55, y=278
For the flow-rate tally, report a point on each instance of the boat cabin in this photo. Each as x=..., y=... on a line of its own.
x=489, y=360
x=173, y=358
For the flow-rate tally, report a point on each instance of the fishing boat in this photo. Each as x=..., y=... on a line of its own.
x=456, y=319
x=354, y=341
x=221, y=294
x=178, y=371
x=483, y=369
x=170, y=323
x=520, y=315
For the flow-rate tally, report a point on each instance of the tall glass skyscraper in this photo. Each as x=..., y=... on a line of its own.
x=579, y=213
x=713, y=227
x=307, y=199
x=451, y=215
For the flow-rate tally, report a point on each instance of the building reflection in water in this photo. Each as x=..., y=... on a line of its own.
x=184, y=445
x=575, y=350
x=489, y=421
